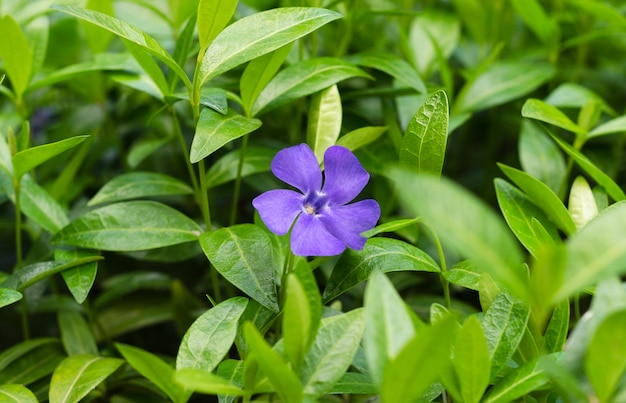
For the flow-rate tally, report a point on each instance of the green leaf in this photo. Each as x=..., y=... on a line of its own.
x=424, y=143
x=378, y=254
x=540, y=157
x=464, y=274
x=150, y=67
x=30, y=364
x=433, y=36
x=465, y=224
x=211, y=97
x=211, y=336
x=213, y=16
x=128, y=32
x=353, y=383
x=78, y=375
x=283, y=379
x=501, y=83
x=302, y=79
x=76, y=334
x=256, y=160
x=258, y=34
x=243, y=255
x=539, y=110
x=97, y=40
x=585, y=163
x=519, y=212
x=332, y=351
x=571, y=95
x=78, y=279
x=617, y=125
x=582, y=204
x=391, y=64
x=39, y=206
x=324, y=122
x=14, y=354
x=9, y=296
x=419, y=363
x=542, y=196
x=361, y=137
x=604, y=369
x=558, y=328
x=155, y=370
x=504, y=324
x=519, y=382
x=391, y=226
x=388, y=326
x=16, y=54
x=471, y=360
x=546, y=29
x=32, y=157
x=214, y=130
x=17, y=393
x=129, y=226
x=201, y=381
x=115, y=287
x=30, y=274
x=135, y=185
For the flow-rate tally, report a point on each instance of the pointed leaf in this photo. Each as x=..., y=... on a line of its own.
x=520, y=382
x=136, y=185
x=129, y=226
x=39, y=206
x=391, y=64
x=9, y=296
x=324, y=123
x=617, y=125
x=17, y=393
x=540, y=157
x=30, y=274
x=582, y=204
x=213, y=16
x=206, y=382
x=361, y=137
x=539, y=110
x=471, y=360
x=16, y=54
x=258, y=34
x=77, y=375
x=76, y=334
x=32, y=157
x=256, y=160
x=78, y=279
x=214, y=130
x=32, y=365
x=558, y=328
x=243, y=255
x=424, y=143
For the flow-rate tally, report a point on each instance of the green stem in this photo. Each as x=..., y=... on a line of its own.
x=183, y=147
x=237, y=191
x=18, y=225
x=215, y=284
x=445, y=284
x=204, y=196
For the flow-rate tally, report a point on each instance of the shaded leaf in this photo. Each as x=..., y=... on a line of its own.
x=361, y=137
x=391, y=64
x=76, y=334
x=540, y=157
x=520, y=382
x=30, y=274
x=256, y=160
x=135, y=185
x=201, y=381
x=471, y=360
x=9, y=296
x=80, y=279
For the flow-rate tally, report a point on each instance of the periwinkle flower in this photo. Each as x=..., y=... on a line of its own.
x=324, y=223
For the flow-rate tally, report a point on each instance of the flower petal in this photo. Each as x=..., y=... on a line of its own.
x=278, y=208
x=310, y=238
x=348, y=222
x=298, y=167
x=344, y=176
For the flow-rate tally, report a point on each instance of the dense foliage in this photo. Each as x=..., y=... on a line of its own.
x=477, y=145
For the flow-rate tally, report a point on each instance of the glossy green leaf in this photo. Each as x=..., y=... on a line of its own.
x=14, y=353
x=464, y=274
x=243, y=255
x=582, y=204
x=332, y=351
x=155, y=370
x=280, y=375
x=519, y=212
x=80, y=279
x=211, y=97
x=256, y=160
x=361, y=137
x=324, y=122
x=424, y=143
x=540, y=157
x=128, y=32
x=17, y=393
x=544, y=112
x=16, y=54
x=129, y=226
x=214, y=130
x=31, y=364
x=388, y=326
x=211, y=336
x=136, y=185
x=617, y=125
x=213, y=16
x=76, y=334
x=465, y=224
x=30, y=274
x=519, y=382
x=206, y=382
x=258, y=34
x=504, y=324
x=542, y=196
x=604, y=369
x=558, y=328
x=150, y=67
x=9, y=296
x=391, y=64
x=30, y=158
x=302, y=79
x=419, y=363
x=39, y=206
x=471, y=360
x=378, y=254
x=116, y=319
x=77, y=375
x=612, y=189
x=502, y=83
x=391, y=226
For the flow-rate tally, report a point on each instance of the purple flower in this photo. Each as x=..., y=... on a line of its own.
x=324, y=223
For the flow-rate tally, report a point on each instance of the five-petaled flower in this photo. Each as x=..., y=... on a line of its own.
x=324, y=223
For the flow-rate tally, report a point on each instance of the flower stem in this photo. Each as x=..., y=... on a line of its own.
x=237, y=191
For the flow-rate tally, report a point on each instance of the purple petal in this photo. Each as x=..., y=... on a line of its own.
x=344, y=175
x=348, y=222
x=310, y=238
x=298, y=167
x=278, y=208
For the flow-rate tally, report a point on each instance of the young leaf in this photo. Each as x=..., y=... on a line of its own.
x=582, y=204
x=464, y=274
x=201, y=381
x=14, y=354
x=78, y=279
x=243, y=255
x=129, y=226
x=32, y=157
x=257, y=160
x=540, y=157
x=78, y=375
x=211, y=336
x=9, y=296
x=150, y=67
x=424, y=143
x=16, y=54
x=30, y=274
x=213, y=15
x=391, y=64
x=378, y=254
x=324, y=122
x=155, y=370
x=519, y=382
x=17, y=393
x=546, y=29
x=617, y=125
x=558, y=328
x=136, y=185
x=32, y=364
x=539, y=110
x=39, y=206
x=471, y=360
x=258, y=34
x=76, y=334
x=214, y=130
x=361, y=137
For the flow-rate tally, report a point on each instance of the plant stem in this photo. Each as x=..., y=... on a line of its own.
x=237, y=191
x=204, y=196
x=18, y=226
x=183, y=147
x=445, y=284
